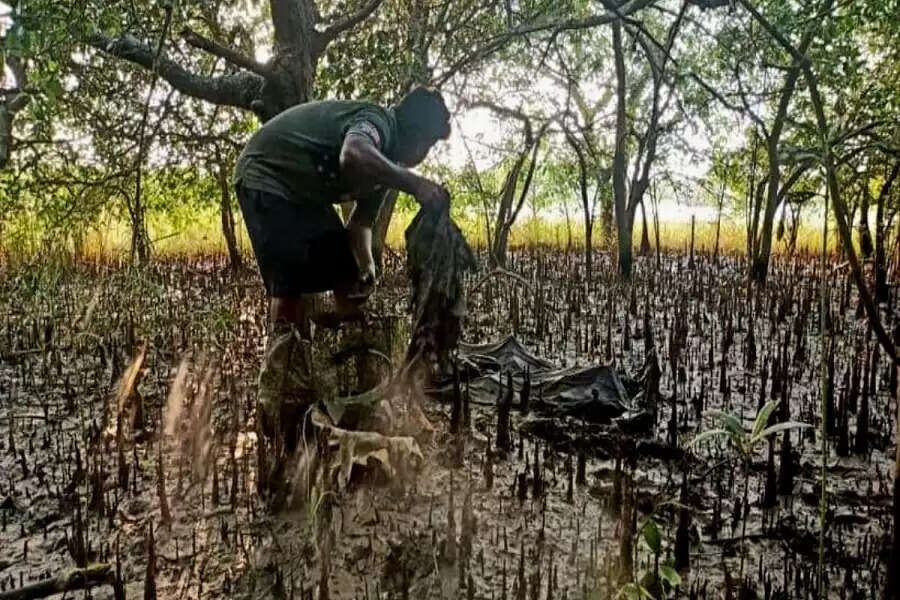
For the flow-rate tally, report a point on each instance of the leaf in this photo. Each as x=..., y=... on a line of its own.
x=54, y=89
x=390, y=453
x=728, y=422
x=670, y=576
x=709, y=433
x=779, y=427
x=652, y=536
x=762, y=417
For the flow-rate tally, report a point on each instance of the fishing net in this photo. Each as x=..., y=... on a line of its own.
x=438, y=257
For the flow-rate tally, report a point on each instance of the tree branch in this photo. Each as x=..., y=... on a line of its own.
x=350, y=21
x=239, y=89
x=216, y=49
x=67, y=581
x=492, y=45
x=14, y=102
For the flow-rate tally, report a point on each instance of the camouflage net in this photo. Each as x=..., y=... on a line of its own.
x=438, y=257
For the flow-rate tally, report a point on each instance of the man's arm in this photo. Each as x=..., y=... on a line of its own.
x=364, y=165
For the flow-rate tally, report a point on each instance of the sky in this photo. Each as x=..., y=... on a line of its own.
x=4, y=23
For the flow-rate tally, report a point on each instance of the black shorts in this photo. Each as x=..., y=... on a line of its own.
x=300, y=247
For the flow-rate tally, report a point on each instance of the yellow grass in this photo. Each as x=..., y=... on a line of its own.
x=201, y=235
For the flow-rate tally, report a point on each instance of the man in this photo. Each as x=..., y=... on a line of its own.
x=288, y=179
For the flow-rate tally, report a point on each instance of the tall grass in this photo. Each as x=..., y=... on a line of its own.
x=24, y=240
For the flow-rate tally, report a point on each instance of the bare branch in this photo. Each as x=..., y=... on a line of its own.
x=497, y=42
x=13, y=103
x=239, y=89
x=350, y=21
x=216, y=49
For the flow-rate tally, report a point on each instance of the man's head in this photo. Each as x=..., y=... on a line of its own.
x=422, y=120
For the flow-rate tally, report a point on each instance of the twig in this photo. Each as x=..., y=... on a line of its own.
x=501, y=271
x=67, y=581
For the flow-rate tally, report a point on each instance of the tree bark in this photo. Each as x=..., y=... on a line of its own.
x=753, y=201
x=67, y=581
x=9, y=106
x=892, y=589
x=760, y=267
x=645, y=235
x=719, y=223
x=227, y=218
x=382, y=224
x=865, y=234
x=623, y=232
x=266, y=90
x=828, y=161
x=502, y=222
x=626, y=202
x=882, y=291
x=585, y=204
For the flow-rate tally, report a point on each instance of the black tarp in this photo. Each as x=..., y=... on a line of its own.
x=596, y=394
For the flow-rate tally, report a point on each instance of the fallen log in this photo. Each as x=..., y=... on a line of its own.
x=67, y=581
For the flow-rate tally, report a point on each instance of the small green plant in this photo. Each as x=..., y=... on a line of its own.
x=661, y=580
x=745, y=444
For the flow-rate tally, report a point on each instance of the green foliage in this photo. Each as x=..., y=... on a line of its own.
x=652, y=537
x=745, y=442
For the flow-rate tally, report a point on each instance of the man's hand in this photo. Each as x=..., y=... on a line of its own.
x=431, y=196
x=363, y=287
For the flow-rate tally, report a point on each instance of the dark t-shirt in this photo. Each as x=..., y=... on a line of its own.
x=295, y=155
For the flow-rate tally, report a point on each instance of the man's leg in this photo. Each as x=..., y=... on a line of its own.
x=286, y=386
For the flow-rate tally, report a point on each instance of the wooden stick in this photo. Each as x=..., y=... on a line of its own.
x=67, y=581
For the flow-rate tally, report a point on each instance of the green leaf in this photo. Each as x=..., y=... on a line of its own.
x=670, y=576
x=779, y=427
x=14, y=41
x=652, y=537
x=762, y=417
x=728, y=421
x=709, y=433
x=54, y=89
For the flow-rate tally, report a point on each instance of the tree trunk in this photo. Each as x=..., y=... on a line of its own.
x=284, y=81
x=691, y=259
x=588, y=247
x=626, y=257
x=227, y=216
x=865, y=235
x=892, y=586
x=623, y=229
x=503, y=222
x=13, y=103
x=882, y=291
x=719, y=223
x=760, y=266
x=656, y=232
x=140, y=240
x=752, y=204
x=645, y=235
x=382, y=224
x=606, y=216
x=881, y=287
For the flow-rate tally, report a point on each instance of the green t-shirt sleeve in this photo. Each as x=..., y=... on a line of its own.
x=375, y=125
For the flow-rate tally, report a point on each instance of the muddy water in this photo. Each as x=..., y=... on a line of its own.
x=66, y=346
